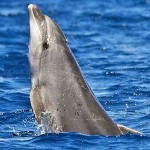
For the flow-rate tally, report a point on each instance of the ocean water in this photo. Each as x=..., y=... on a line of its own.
x=111, y=42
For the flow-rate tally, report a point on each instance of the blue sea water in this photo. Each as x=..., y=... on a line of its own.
x=111, y=42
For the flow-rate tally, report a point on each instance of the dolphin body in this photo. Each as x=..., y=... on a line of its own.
x=61, y=99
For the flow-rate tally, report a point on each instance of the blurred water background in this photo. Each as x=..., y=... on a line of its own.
x=110, y=40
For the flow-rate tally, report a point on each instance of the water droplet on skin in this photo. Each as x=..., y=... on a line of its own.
x=36, y=13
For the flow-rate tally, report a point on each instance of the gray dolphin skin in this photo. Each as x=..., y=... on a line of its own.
x=61, y=99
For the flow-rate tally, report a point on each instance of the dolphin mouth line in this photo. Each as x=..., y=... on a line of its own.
x=39, y=18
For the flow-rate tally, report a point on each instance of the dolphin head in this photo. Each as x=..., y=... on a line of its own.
x=44, y=36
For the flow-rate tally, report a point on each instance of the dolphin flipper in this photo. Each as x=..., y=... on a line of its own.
x=36, y=103
x=126, y=130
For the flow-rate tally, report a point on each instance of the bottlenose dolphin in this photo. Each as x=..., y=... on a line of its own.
x=61, y=99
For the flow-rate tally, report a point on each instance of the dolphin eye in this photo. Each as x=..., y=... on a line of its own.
x=45, y=45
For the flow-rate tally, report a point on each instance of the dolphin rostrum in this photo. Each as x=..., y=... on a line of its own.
x=61, y=99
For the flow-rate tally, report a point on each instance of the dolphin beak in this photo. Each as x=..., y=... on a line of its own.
x=35, y=12
x=37, y=19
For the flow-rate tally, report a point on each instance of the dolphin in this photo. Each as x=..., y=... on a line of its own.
x=61, y=99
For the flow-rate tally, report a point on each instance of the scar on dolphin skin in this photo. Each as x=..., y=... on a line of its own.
x=64, y=102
